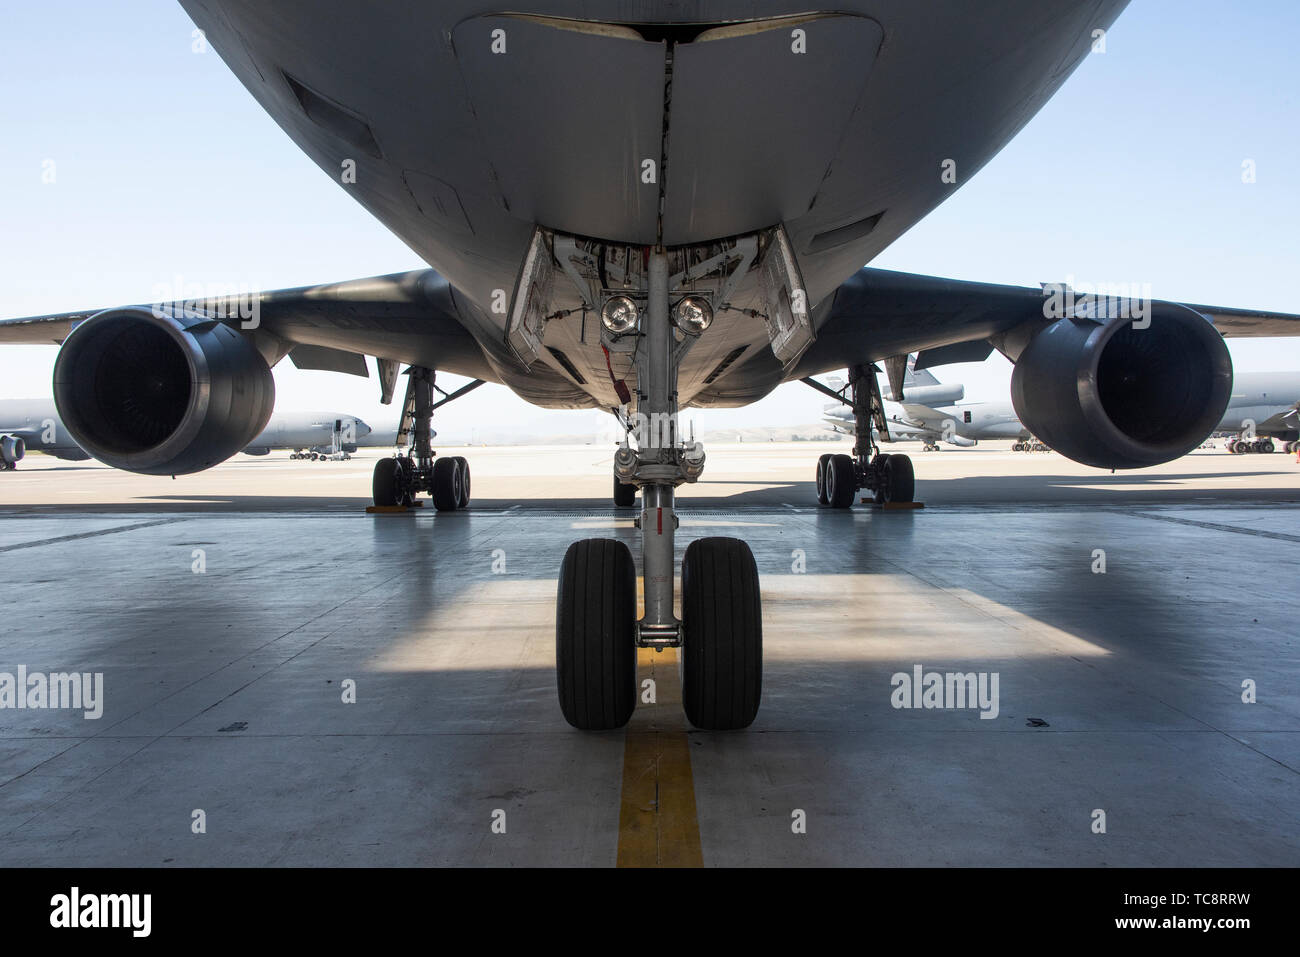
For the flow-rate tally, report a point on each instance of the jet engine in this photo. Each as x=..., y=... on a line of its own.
x=931, y=395
x=159, y=393
x=12, y=450
x=1118, y=393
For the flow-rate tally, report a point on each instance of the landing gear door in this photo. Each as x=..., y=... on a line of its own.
x=788, y=313
x=527, y=321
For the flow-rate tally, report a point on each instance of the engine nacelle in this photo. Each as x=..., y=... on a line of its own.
x=932, y=395
x=12, y=450
x=1106, y=394
x=161, y=394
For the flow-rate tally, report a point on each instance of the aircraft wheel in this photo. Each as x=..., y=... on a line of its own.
x=1266, y=446
x=878, y=466
x=464, y=482
x=446, y=485
x=839, y=481
x=624, y=494
x=595, y=635
x=822, y=497
x=722, y=642
x=900, y=479
x=388, y=484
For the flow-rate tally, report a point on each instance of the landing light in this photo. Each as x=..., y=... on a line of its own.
x=619, y=315
x=693, y=315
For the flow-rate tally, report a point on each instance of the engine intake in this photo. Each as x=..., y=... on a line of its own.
x=12, y=449
x=160, y=394
x=1106, y=394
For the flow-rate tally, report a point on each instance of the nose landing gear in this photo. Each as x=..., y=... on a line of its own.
x=720, y=631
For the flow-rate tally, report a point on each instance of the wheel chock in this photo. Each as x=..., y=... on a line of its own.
x=392, y=509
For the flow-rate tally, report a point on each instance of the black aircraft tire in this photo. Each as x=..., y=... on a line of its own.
x=624, y=494
x=722, y=644
x=900, y=479
x=822, y=497
x=595, y=635
x=878, y=463
x=839, y=481
x=463, y=502
x=446, y=485
x=386, y=485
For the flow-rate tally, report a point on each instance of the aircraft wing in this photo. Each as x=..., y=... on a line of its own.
x=922, y=413
x=408, y=317
x=879, y=313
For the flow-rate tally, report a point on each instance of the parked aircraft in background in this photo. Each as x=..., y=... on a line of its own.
x=311, y=435
x=1263, y=410
x=33, y=425
x=930, y=416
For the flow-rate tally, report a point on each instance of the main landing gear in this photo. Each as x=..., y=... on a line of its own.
x=1029, y=445
x=720, y=633
x=399, y=479
x=1239, y=445
x=889, y=477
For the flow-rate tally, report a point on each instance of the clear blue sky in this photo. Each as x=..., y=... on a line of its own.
x=166, y=167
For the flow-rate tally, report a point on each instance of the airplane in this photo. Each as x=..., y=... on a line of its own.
x=960, y=425
x=1263, y=407
x=926, y=415
x=34, y=425
x=313, y=436
x=666, y=206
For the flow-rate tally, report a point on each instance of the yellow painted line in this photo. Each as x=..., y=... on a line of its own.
x=657, y=821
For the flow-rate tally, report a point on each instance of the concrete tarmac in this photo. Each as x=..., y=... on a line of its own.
x=314, y=685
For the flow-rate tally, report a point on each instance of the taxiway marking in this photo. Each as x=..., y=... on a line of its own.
x=657, y=821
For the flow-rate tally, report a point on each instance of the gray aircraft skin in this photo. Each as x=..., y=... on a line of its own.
x=37, y=423
x=1266, y=401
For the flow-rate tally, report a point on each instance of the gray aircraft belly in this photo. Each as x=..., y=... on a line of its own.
x=463, y=144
